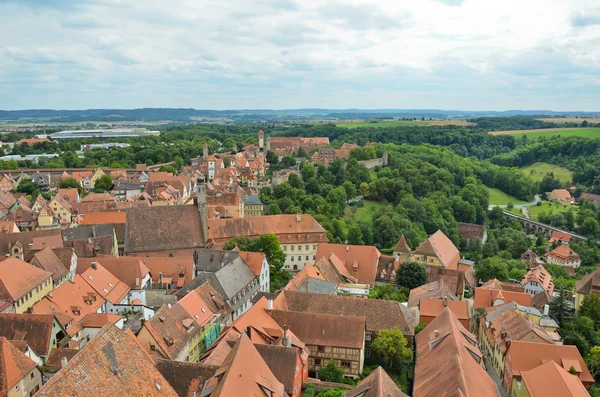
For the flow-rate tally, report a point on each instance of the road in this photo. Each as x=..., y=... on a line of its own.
x=522, y=207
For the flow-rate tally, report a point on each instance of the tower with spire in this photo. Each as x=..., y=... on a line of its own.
x=201, y=202
x=261, y=140
x=205, y=150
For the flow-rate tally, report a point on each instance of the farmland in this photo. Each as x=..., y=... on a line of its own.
x=538, y=171
x=398, y=123
x=550, y=132
x=560, y=120
x=498, y=197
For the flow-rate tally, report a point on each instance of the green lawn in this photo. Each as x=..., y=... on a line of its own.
x=539, y=170
x=548, y=207
x=363, y=214
x=585, y=132
x=498, y=197
x=373, y=175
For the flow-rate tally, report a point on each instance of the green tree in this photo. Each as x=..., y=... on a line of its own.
x=295, y=181
x=226, y=161
x=168, y=168
x=66, y=183
x=301, y=153
x=272, y=158
x=389, y=292
x=308, y=171
x=339, y=392
x=332, y=372
x=355, y=236
x=350, y=189
x=560, y=307
x=274, y=209
x=28, y=187
x=104, y=184
x=392, y=346
x=593, y=361
x=420, y=327
x=411, y=275
x=590, y=307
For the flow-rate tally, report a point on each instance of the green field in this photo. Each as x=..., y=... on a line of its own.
x=539, y=170
x=584, y=132
x=363, y=214
x=498, y=197
x=373, y=175
x=535, y=210
x=396, y=123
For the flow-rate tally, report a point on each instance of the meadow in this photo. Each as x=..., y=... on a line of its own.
x=362, y=214
x=397, y=123
x=498, y=197
x=551, y=132
x=538, y=171
x=548, y=207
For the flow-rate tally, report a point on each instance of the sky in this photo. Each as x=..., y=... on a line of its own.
x=284, y=54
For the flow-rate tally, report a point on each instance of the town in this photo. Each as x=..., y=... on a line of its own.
x=294, y=266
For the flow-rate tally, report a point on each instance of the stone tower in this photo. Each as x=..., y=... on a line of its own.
x=268, y=143
x=201, y=202
x=235, y=147
x=205, y=150
x=261, y=140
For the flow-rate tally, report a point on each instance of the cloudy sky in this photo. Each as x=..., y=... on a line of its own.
x=230, y=54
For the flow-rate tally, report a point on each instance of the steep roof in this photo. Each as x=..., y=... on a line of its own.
x=589, y=284
x=402, y=245
x=254, y=260
x=111, y=364
x=324, y=329
x=48, y=261
x=377, y=384
x=187, y=379
x=130, y=270
x=551, y=380
x=380, y=314
x=105, y=283
x=485, y=297
x=14, y=365
x=360, y=260
x=510, y=326
x=433, y=307
x=541, y=276
x=70, y=195
x=436, y=289
x=439, y=245
x=54, y=362
x=167, y=329
x=18, y=278
x=282, y=362
x=35, y=329
x=244, y=372
x=162, y=228
x=560, y=237
x=563, y=253
x=523, y=356
x=449, y=362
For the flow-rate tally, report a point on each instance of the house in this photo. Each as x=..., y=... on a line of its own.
x=257, y=261
x=170, y=273
x=209, y=322
x=40, y=332
x=107, y=286
x=470, y=231
x=23, y=284
x=379, y=314
x=24, y=217
x=538, y=280
x=118, y=219
x=563, y=255
x=112, y=364
x=448, y=361
x=486, y=297
x=437, y=250
x=360, y=261
x=229, y=274
x=69, y=195
x=92, y=240
x=298, y=234
x=47, y=260
x=19, y=375
x=32, y=141
x=328, y=337
x=227, y=204
x=310, y=279
x=591, y=197
x=187, y=379
x=524, y=356
x=429, y=309
x=61, y=209
x=588, y=285
x=7, y=184
x=434, y=290
x=499, y=328
x=252, y=206
x=387, y=268
x=20, y=244
x=94, y=322
x=549, y=379
x=377, y=384
x=560, y=238
x=530, y=259
x=215, y=302
x=562, y=196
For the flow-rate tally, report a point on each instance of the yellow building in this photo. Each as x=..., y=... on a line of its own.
x=95, y=177
x=437, y=250
x=61, y=209
x=252, y=206
x=46, y=218
x=21, y=377
x=23, y=284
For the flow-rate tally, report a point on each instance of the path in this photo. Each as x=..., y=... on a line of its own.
x=536, y=200
x=490, y=370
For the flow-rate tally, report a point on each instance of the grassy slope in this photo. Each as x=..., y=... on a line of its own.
x=498, y=197
x=541, y=169
x=585, y=132
x=362, y=214
x=534, y=211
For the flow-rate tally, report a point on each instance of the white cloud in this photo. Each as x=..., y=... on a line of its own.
x=469, y=54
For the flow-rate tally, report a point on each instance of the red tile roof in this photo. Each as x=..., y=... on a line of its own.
x=541, y=276
x=486, y=297
x=359, y=260
x=130, y=270
x=377, y=384
x=560, y=237
x=552, y=380
x=111, y=364
x=433, y=307
x=18, y=278
x=14, y=365
x=99, y=320
x=563, y=253
x=254, y=260
x=170, y=267
x=439, y=245
x=35, y=329
x=98, y=218
x=105, y=283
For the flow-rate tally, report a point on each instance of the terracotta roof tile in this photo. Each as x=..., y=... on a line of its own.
x=254, y=260
x=54, y=362
x=436, y=289
x=402, y=245
x=35, y=329
x=359, y=260
x=70, y=195
x=111, y=364
x=560, y=237
x=438, y=244
x=563, y=253
x=18, y=278
x=486, y=297
x=99, y=320
x=171, y=267
x=377, y=384
x=433, y=307
x=39, y=243
x=95, y=197
x=97, y=218
x=105, y=283
x=130, y=270
x=14, y=365
x=552, y=380
x=589, y=284
x=48, y=261
x=187, y=379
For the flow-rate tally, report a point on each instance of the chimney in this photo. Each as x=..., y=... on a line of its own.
x=94, y=265
x=546, y=310
x=445, y=301
x=436, y=333
x=169, y=305
x=347, y=248
x=270, y=304
x=137, y=281
x=249, y=331
x=285, y=340
x=63, y=362
x=299, y=217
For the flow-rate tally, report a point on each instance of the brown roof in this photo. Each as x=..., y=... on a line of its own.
x=39, y=243
x=449, y=362
x=452, y=278
x=26, y=238
x=47, y=260
x=560, y=236
x=213, y=299
x=592, y=197
x=561, y=194
x=130, y=270
x=99, y=320
x=501, y=285
x=18, y=278
x=171, y=267
x=510, y=326
x=324, y=329
x=360, y=260
x=563, y=253
x=111, y=364
x=98, y=218
x=439, y=245
x=163, y=228
x=168, y=331
x=433, y=307
x=8, y=227
x=436, y=289
x=64, y=255
x=589, y=284
x=377, y=384
x=486, y=297
x=470, y=230
x=70, y=195
x=282, y=361
x=245, y=360
x=402, y=245
x=95, y=197
x=187, y=379
x=523, y=356
x=380, y=314
x=14, y=365
x=35, y=329
x=552, y=380
x=286, y=227
x=254, y=260
x=54, y=362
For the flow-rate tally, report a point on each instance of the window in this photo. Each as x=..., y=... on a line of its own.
x=321, y=349
x=306, y=247
x=32, y=375
x=317, y=361
x=285, y=247
x=314, y=247
x=306, y=257
x=292, y=258
x=345, y=364
x=293, y=246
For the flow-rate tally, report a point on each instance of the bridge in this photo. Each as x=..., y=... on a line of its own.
x=534, y=227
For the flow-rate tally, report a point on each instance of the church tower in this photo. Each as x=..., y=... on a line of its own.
x=261, y=140
x=268, y=143
x=205, y=150
x=201, y=201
